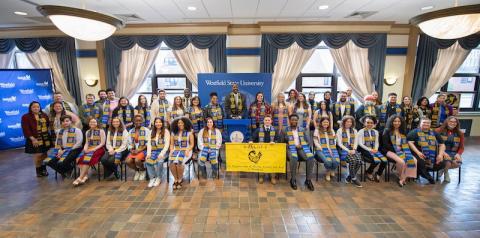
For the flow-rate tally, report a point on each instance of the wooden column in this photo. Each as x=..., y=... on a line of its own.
x=410, y=62
x=101, y=64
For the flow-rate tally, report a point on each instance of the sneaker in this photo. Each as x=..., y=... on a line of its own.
x=446, y=177
x=273, y=180
x=137, y=176
x=377, y=178
x=260, y=179
x=157, y=182
x=332, y=173
x=348, y=179
x=356, y=183
x=327, y=177
x=142, y=175
x=152, y=181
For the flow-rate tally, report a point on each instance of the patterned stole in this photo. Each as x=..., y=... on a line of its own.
x=261, y=114
x=338, y=109
x=369, y=138
x=116, y=140
x=233, y=108
x=181, y=145
x=42, y=131
x=452, y=142
x=383, y=113
x=276, y=117
x=428, y=142
x=126, y=113
x=174, y=113
x=162, y=108
x=139, y=138
x=320, y=115
x=67, y=106
x=157, y=146
x=261, y=135
x=196, y=118
x=145, y=112
x=348, y=143
x=436, y=117
x=402, y=150
x=408, y=112
x=105, y=114
x=71, y=140
x=369, y=110
x=209, y=148
x=328, y=142
x=93, y=141
x=217, y=117
x=90, y=111
x=291, y=143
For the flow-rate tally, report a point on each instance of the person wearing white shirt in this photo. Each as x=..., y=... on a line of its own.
x=348, y=143
x=139, y=144
x=117, y=143
x=209, y=142
x=157, y=153
x=368, y=141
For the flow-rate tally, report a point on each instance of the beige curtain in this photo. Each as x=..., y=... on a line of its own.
x=193, y=61
x=290, y=62
x=352, y=62
x=448, y=62
x=134, y=67
x=42, y=59
x=6, y=59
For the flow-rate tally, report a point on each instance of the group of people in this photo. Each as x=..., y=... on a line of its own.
x=417, y=138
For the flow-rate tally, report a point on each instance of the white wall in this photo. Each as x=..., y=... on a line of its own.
x=87, y=69
x=395, y=65
x=243, y=64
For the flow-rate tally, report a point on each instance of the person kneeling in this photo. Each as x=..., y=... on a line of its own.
x=298, y=149
x=368, y=140
x=92, y=151
x=160, y=141
x=181, y=147
x=68, y=145
x=266, y=134
x=139, y=145
x=325, y=146
x=209, y=144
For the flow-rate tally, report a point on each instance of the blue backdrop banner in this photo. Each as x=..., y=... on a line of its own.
x=17, y=89
x=221, y=83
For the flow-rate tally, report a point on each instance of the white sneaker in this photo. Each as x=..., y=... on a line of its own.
x=327, y=177
x=157, y=182
x=332, y=173
x=142, y=176
x=137, y=176
x=152, y=181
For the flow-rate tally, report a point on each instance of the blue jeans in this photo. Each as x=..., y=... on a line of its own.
x=330, y=162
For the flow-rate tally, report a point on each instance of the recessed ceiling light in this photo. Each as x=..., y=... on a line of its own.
x=426, y=8
x=192, y=8
x=20, y=13
x=322, y=7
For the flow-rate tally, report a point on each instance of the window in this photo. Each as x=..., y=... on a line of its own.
x=319, y=74
x=165, y=74
x=465, y=82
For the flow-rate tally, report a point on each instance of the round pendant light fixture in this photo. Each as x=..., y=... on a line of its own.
x=80, y=23
x=450, y=23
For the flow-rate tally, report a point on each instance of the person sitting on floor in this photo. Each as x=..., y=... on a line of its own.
x=92, y=151
x=68, y=145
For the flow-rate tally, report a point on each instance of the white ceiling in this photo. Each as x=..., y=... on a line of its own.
x=234, y=11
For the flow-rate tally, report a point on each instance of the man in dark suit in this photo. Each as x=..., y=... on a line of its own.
x=235, y=104
x=266, y=134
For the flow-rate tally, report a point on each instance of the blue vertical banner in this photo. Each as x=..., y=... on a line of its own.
x=221, y=83
x=19, y=87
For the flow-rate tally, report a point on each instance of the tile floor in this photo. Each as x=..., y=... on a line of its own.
x=235, y=206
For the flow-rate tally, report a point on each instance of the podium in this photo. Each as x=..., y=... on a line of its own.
x=237, y=130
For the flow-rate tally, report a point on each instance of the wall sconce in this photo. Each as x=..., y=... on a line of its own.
x=91, y=82
x=390, y=80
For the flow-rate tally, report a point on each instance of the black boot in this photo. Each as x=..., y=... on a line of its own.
x=44, y=170
x=39, y=171
x=214, y=173
x=293, y=184
x=309, y=184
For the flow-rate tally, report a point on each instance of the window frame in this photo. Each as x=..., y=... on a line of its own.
x=476, y=91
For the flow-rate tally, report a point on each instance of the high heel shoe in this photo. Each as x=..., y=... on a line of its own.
x=77, y=182
x=84, y=179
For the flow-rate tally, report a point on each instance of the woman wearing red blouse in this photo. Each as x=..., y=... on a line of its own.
x=454, y=144
x=35, y=126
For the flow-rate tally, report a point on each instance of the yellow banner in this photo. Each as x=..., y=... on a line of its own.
x=256, y=157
